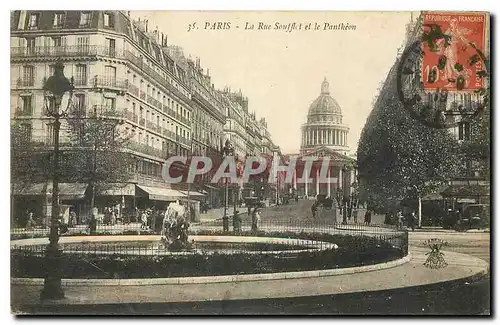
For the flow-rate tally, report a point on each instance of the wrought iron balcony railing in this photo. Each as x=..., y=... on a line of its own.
x=169, y=134
x=108, y=82
x=133, y=89
x=66, y=51
x=146, y=149
x=137, y=61
x=104, y=111
x=131, y=116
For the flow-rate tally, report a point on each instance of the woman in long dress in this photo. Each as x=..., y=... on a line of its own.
x=455, y=42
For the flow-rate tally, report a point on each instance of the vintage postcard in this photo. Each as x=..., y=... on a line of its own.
x=250, y=162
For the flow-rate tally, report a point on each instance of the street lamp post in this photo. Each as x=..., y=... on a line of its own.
x=228, y=150
x=56, y=85
x=344, y=196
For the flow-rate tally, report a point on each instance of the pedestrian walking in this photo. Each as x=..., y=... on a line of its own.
x=411, y=221
x=399, y=217
x=73, y=220
x=144, y=220
x=112, y=218
x=314, y=209
x=30, y=223
x=255, y=219
x=237, y=222
x=368, y=217
x=92, y=224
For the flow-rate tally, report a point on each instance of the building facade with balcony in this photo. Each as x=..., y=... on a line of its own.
x=207, y=123
x=116, y=65
x=250, y=137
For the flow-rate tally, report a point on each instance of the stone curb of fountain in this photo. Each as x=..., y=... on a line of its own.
x=220, y=278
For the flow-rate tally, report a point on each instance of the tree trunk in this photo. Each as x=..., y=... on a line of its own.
x=419, y=211
x=92, y=183
x=92, y=196
x=12, y=203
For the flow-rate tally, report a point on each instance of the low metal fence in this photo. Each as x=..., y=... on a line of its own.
x=155, y=247
x=154, y=226
x=301, y=235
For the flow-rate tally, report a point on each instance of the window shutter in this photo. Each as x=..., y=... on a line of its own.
x=22, y=20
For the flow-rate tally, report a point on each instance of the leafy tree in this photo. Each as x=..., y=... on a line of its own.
x=398, y=157
x=30, y=162
x=477, y=148
x=96, y=154
x=99, y=155
x=26, y=157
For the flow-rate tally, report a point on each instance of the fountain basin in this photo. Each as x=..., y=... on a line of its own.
x=151, y=245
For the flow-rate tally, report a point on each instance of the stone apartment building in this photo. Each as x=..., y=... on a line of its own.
x=169, y=103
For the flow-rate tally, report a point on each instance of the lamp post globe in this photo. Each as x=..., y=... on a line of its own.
x=54, y=88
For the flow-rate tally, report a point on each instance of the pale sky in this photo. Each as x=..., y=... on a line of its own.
x=281, y=72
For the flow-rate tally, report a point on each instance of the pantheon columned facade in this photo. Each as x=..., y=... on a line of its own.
x=324, y=126
x=324, y=135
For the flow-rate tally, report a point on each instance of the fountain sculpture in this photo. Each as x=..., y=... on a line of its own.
x=174, y=232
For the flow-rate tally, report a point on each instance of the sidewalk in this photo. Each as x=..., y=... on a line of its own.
x=440, y=229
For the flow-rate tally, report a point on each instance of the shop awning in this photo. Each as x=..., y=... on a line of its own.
x=67, y=191
x=466, y=191
x=466, y=201
x=118, y=189
x=162, y=194
x=194, y=194
x=432, y=197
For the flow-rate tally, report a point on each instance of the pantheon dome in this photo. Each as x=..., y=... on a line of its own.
x=324, y=126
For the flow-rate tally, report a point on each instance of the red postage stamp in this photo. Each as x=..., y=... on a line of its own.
x=452, y=46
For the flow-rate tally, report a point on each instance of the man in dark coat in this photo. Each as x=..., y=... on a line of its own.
x=314, y=209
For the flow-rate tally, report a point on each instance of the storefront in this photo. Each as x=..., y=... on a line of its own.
x=37, y=198
x=158, y=197
x=119, y=197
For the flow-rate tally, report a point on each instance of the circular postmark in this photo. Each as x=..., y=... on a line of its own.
x=436, y=86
